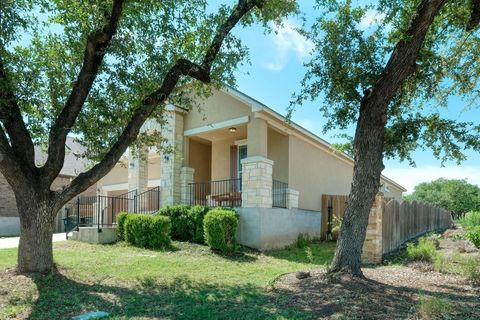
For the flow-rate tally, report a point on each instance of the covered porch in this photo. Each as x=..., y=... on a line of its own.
x=238, y=163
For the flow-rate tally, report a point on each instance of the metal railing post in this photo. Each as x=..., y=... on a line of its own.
x=78, y=213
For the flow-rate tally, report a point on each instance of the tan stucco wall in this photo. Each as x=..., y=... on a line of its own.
x=200, y=159
x=154, y=168
x=218, y=107
x=221, y=159
x=119, y=174
x=314, y=172
x=278, y=152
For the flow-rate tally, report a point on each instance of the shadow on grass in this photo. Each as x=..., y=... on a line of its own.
x=61, y=298
x=316, y=253
x=370, y=299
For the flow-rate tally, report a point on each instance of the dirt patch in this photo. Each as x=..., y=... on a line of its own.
x=387, y=293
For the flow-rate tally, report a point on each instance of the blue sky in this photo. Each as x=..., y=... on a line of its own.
x=276, y=71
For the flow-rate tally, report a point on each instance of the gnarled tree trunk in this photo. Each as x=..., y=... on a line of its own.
x=36, y=228
x=369, y=141
x=370, y=135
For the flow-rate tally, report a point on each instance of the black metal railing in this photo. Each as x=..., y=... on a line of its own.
x=279, y=194
x=223, y=193
x=100, y=211
x=148, y=201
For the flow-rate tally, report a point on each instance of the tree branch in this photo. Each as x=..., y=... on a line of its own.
x=11, y=117
x=402, y=62
x=474, y=16
x=182, y=67
x=95, y=50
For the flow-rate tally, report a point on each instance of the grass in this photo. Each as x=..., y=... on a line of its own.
x=423, y=250
x=434, y=308
x=190, y=282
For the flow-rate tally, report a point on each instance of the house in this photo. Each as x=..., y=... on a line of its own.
x=235, y=151
x=73, y=166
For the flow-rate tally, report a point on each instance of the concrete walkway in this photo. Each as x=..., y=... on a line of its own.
x=12, y=242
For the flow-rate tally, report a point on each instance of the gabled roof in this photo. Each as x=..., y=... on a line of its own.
x=258, y=106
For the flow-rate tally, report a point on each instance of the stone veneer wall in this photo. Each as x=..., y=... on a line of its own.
x=372, y=247
x=171, y=163
x=257, y=182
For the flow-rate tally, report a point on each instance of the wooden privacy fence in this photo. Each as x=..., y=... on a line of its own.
x=406, y=220
x=390, y=223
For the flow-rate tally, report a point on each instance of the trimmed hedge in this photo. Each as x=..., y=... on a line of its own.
x=197, y=214
x=147, y=231
x=187, y=222
x=220, y=226
x=121, y=218
x=182, y=225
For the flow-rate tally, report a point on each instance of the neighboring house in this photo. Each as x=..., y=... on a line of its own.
x=235, y=151
x=9, y=219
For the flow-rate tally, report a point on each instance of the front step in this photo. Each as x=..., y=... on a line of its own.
x=94, y=235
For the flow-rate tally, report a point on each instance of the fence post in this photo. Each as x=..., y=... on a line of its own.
x=373, y=245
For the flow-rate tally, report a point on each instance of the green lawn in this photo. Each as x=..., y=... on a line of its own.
x=189, y=282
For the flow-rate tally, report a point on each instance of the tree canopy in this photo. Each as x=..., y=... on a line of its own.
x=458, y=196
x=352, y=44
x=43, y=45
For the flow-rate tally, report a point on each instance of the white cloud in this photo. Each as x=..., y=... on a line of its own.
x=410, y=177
x=371, y=17
x=287, y=41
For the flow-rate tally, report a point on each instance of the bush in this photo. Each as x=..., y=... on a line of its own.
x=121, y=218
x=473, y=234
x=197, y=214
x=424, y=250
x=220, y=226
x=434, y=308
x=147, y=231
x=187, y=222
x=471, y=219
x=183, y=226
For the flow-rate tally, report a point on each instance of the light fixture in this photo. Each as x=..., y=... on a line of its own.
x=232, y=129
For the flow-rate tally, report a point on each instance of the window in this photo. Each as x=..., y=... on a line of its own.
x=242, y=154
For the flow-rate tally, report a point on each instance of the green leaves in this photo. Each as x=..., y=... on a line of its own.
x=43, y=45
x=352, y=46
x=458, y=196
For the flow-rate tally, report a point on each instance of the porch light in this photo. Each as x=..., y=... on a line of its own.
x=232, y=129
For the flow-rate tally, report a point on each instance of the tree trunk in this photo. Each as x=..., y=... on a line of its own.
x=368, y=144
x=36, y=227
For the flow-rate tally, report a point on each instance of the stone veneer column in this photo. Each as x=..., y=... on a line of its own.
x=292, y=198
x=171, y=162
x=373, y=246
x=186, y=177
x=257, y=182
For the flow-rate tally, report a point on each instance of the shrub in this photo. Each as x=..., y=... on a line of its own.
x=424, y=250
x=471, y=219
x=220, y=226
x=434, y=308
x=147, y=231
x=302, y=241
x=473, y=234
x=121, y=218
x=182, y=225
x=197, y=214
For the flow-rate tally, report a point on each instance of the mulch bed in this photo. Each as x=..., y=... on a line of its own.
x=387, y=293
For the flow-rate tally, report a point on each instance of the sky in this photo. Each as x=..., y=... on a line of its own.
x=277, y=67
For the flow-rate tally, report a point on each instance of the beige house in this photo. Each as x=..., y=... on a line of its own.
x=235, y=151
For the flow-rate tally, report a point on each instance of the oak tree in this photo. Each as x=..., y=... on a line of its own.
x=97, y=70
x=388, y=67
